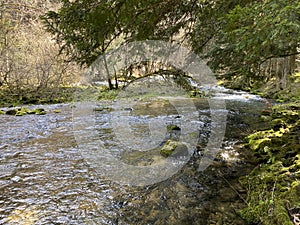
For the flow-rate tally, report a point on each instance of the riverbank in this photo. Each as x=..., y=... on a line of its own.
x=57, y=95
x=273, y=187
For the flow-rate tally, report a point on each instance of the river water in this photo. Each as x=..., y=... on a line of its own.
x=45, y=178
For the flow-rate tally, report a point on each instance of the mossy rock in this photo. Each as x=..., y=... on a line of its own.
x=274, y=187
x=22, y=111
x=196, y=93
x=258, y=144
x=174, y=148
x=168, y=148
x=172, y=127
x=20, y=114
x=278, y=122
x=265, y=118
x=103, y=108
x=11, y=112
x=2, y=112
x=31, y=112
x=98, y=109
x=40, y=111
x=57, y=111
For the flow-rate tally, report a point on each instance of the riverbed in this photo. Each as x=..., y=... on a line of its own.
x=47, y=178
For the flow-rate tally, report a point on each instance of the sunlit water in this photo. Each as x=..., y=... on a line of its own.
x=44, y=178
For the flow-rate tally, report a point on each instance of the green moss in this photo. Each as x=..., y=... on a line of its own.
x=107, y=94
x=274, y=186
x=196, y=93
x=11, y=112
x=278, y=122
x=168, y=148
x=257, y=144
x=40, y=111
x=268, y=196
x=171, y=127
x=31, y=112
x=2, y=112
x=23, y=111
x=50, y=95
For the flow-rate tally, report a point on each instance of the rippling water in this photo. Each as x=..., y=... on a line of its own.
x=44, y=178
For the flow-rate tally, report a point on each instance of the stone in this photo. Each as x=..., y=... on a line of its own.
x=168, y=148
x=40, y=111
x=11, y=112
x=171, y=127
x=21, y=111
x=174, y=148
x=16, y=178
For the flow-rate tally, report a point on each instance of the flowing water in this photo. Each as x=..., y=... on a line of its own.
x=45, y=178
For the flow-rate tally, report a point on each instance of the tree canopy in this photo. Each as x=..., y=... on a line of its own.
x=239, y=38
x=88, y=28
x=250, y=35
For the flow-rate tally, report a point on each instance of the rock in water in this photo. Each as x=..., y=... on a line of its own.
x=173, y=127
x=174, y=148
x=40, y=111
x=11, y=112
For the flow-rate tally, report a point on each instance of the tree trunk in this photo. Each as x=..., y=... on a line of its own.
x=280, y=69
x=110, y=85
x=116, y=80
x=285, y=68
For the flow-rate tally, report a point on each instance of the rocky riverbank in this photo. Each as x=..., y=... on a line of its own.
x=274, y=185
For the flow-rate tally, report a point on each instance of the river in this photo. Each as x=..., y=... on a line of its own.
x=46, y=178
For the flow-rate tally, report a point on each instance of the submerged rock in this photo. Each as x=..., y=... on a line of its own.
x=173, y=127
x=173, y=148
x=102, y=108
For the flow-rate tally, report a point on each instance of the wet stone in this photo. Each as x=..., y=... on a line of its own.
x=11, y=112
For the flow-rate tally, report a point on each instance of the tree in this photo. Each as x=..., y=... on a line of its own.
x=253, y=41
x=29, y=64
x=87, y=29
x=246, y=41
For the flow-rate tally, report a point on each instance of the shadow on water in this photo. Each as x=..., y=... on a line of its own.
x=44, y=179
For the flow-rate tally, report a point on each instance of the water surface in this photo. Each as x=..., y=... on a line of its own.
x=44, y=178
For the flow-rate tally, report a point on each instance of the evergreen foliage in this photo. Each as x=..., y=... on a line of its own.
x=250, y=42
